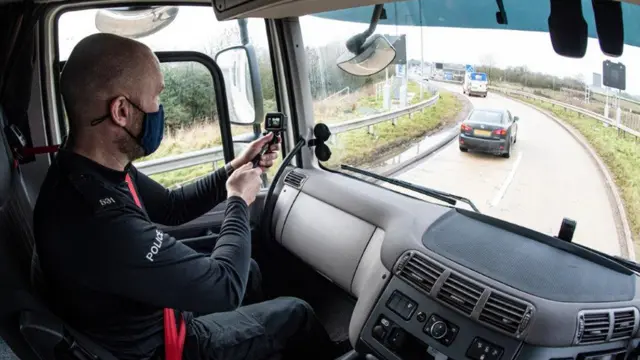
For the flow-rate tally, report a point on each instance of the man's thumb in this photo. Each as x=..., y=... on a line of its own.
x=265, y=139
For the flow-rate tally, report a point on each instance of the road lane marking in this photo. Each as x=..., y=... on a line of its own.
x=507, y=182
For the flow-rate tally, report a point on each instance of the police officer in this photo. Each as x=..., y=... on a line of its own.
x=110, y=271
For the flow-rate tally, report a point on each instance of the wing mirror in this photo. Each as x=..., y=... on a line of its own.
x=135, y=21
x=366, y=54
x=515, y=118
x=244, y=92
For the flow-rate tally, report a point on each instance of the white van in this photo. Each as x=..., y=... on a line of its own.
x=475, y=83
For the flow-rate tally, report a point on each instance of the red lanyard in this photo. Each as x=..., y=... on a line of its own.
x=173, y=340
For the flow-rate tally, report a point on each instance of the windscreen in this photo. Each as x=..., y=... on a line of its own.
x=450, y=60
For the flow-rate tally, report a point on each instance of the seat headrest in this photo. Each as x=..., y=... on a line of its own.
x=6, y=161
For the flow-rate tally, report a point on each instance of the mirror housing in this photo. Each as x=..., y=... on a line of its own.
x=374, y=56
x=242, y=84
x=367, y=54
x=515, y=118
x=135, y=21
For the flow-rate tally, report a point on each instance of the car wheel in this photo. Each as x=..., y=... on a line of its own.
x=463, y=149
x=508, y=153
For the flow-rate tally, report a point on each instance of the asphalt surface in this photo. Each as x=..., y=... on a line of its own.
x=548, y=177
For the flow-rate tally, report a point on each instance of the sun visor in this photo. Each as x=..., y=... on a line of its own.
x=537, y=16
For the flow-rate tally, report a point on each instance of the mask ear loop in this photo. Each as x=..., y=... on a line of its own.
x=99, y=120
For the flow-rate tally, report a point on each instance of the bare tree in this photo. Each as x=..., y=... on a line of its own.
x=229, y=36
x=489, y=61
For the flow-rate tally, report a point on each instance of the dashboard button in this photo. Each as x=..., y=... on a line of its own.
x=495, y=353
x=421, y=317
x=451, y=335
x=438, y=330
x=393, y=301
x=484, y=350
x=408, y=308
x=379, y=332
x=401, y=305
x=384, y=322
x=396, y=339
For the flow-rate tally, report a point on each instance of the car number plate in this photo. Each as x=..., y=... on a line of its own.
x=481, y=132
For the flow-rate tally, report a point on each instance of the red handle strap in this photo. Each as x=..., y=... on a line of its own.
x=173, y=339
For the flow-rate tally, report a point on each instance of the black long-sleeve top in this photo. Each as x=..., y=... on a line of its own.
x=110, y=271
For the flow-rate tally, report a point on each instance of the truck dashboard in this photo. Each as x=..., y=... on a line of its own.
x=439, y=282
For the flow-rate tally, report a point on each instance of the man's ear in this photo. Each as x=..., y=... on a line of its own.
x=120, y=111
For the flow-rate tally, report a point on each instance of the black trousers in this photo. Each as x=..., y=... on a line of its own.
x=282, y=328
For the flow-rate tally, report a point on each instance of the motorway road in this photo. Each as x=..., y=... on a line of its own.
x=549, y=176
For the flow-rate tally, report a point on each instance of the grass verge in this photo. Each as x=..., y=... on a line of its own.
x=359, y=147
x=620, y=152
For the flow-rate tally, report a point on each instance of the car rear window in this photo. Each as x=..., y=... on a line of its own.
x=487, y=117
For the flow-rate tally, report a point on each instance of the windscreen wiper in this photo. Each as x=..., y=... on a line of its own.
x=436, y=194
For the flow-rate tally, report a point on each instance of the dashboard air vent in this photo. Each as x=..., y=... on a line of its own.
x=294, y=179
x=460, y=293
x=593, y=326
x=420, y=272
x=504, y=313
x=624, y=322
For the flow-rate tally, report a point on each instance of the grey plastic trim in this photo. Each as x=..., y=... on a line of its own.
x=286, y=199
x=378, y=278
x=293, y=51
x=326, y=238
x=368, y=263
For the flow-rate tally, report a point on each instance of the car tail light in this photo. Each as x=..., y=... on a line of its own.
x=465, y=127
x=501, y=132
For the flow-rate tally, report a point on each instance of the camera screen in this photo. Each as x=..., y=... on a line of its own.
x=274, y=122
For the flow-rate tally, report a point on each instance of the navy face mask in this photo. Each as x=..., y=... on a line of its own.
x=152, y=130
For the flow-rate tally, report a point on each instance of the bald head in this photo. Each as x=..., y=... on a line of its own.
x=103, y=67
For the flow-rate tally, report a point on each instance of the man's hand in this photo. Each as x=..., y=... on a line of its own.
x=254, y=148
x=245, y=182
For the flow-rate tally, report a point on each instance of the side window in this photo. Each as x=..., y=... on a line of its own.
x=192, y=145
x=510, y=117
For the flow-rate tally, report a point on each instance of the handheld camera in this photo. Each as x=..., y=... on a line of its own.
x=275, y=123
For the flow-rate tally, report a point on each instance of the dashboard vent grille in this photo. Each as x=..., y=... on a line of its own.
x=624, y=322
x=294, y=179
x=420, y=272
x=460, y=293
x=504, y=313
x=594, y=327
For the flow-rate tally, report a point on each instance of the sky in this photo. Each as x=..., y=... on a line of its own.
x=196, y=28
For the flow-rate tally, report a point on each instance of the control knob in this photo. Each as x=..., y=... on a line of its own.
x=438, y=330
